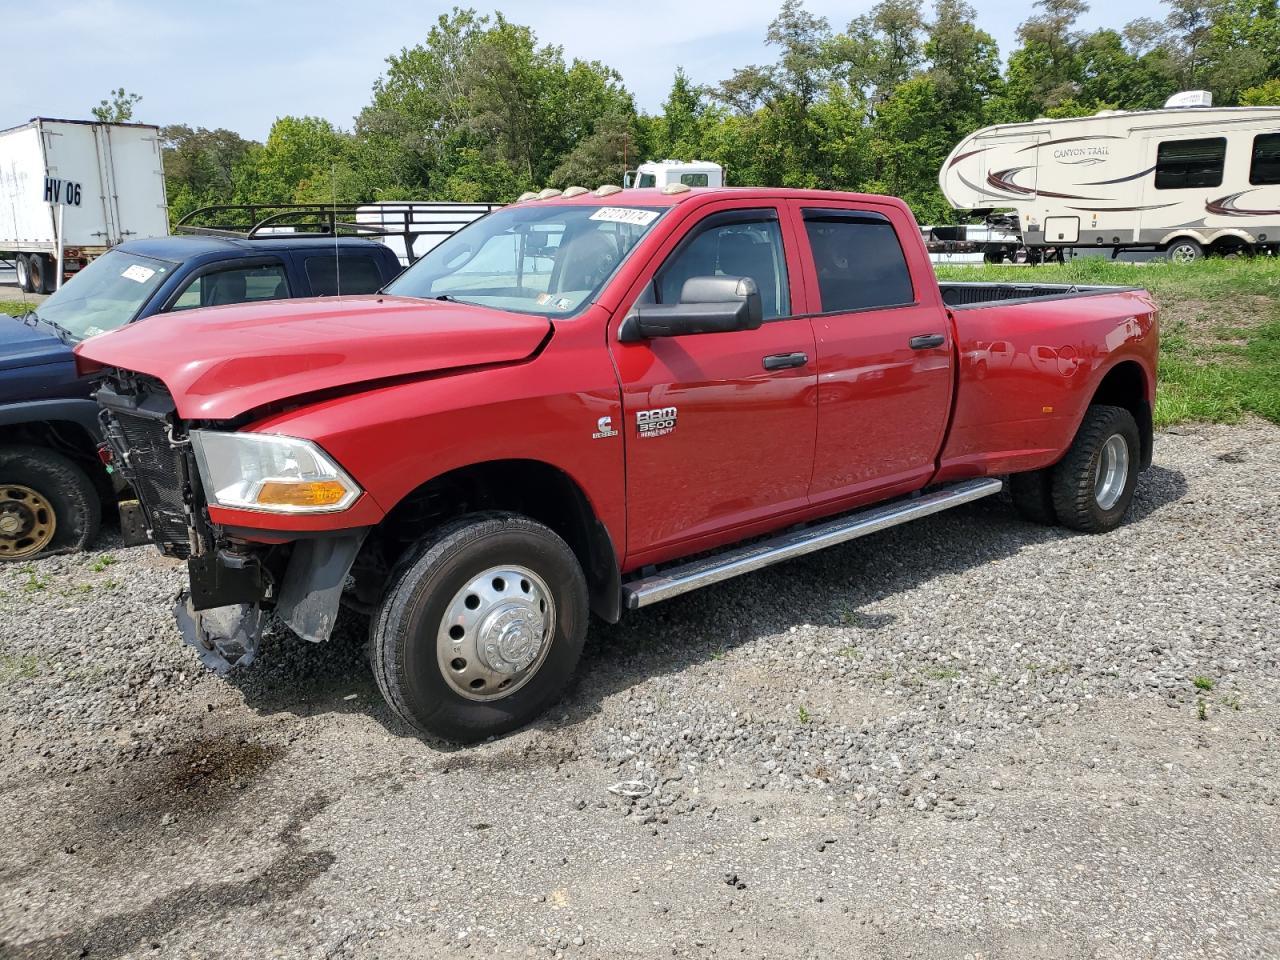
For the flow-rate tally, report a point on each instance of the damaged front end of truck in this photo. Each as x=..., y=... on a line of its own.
x=238, y=577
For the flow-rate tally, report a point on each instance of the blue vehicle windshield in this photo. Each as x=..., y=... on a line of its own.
x=105, y=295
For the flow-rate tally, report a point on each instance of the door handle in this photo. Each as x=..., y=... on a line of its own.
x=927, y=341
x=781, y=361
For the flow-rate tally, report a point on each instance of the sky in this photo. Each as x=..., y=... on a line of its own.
x=240, y=64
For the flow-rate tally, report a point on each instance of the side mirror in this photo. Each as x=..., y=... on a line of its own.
x=707, y=305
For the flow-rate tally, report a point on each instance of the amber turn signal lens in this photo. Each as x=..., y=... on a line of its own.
x=304, y=493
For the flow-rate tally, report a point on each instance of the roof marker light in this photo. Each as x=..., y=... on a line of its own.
x=574, y=191
x=673, y=188
x=548, y=193
x=607, y=190
x=527, y=195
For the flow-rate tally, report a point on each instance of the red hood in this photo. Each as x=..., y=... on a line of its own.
x=220, y=362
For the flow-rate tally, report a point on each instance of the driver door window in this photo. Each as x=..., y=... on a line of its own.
x=740, y=244
x=241, y=285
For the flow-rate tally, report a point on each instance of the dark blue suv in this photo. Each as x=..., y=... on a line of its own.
x=52, y=486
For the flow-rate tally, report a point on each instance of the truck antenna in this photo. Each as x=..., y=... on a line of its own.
x=333, y=224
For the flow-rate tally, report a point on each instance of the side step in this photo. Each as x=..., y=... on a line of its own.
x=722, y=566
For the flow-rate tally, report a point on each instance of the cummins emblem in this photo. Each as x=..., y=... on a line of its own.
x=604, y=428
x=656, y=423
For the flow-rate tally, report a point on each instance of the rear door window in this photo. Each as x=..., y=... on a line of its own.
x=858, y=259
x=330, y=275
x=234, y=285
x=1190, y=163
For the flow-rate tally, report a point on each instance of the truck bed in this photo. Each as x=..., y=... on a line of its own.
x=960, y=295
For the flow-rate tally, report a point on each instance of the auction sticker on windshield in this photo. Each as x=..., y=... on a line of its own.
x=641, y=218
x=138, y=273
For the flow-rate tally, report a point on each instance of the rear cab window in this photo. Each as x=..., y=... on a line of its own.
x=347, y=274
x=858, y=260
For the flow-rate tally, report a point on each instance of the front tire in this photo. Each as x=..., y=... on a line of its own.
x=48, y=504
x=481, y=628
x=1093, y=484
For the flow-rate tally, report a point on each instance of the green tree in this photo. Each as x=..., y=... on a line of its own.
x=118, y=108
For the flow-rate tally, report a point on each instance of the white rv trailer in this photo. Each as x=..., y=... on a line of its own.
x=1187, y=181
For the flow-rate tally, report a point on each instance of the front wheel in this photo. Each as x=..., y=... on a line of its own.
x=1093, y=484
x=48, y=504
x=481, y=628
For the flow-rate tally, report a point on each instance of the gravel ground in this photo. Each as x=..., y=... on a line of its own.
x=968, y=737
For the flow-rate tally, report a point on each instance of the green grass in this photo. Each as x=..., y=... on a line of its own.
x=1219, y=329
x=1203, y=683
x=13, y=308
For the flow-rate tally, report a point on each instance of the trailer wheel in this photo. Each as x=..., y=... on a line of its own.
x=481, y=627
x=1184, y=250
x=24, y=274
x=993, y=256
x=47, y=504
x=41, y=273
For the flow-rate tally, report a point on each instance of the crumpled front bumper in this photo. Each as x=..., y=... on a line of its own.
x=223, y=614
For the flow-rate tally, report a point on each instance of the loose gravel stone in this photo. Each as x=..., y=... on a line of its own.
x=970, y=735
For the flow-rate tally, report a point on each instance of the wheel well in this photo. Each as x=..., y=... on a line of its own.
x=529, y=487
x=1125, y=385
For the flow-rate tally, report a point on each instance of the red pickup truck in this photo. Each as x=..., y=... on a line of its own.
x=595, y=401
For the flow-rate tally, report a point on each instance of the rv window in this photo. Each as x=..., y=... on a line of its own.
x=858, y=259
x=1265, y=166
x=693, y=179
x=646, y=180
x=1190, y=163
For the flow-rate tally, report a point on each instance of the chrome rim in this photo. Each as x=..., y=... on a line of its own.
x=27, y=522
x=496, y=632
x=1184, y=253
x=1112, y=472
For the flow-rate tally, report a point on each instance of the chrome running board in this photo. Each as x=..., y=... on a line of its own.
x=795, y=543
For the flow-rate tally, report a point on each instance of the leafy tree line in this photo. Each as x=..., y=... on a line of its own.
x=480, y=111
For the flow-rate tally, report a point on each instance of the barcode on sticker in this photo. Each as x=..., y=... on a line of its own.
x=641, y=218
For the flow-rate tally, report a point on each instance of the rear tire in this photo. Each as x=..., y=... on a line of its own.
x=1093, y=484
x=48, y=504
x=1033, y=496
x=481, y=628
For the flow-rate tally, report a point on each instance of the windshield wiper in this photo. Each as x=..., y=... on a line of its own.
x=65, y=335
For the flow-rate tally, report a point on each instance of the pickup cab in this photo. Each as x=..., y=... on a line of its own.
x=53, y=488
x=595, y=401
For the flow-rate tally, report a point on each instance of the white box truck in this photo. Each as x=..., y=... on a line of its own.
x=107, y=178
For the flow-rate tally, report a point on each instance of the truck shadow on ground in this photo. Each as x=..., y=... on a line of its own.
x=829, y=588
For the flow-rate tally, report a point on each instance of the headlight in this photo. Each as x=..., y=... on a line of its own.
x=265, y=472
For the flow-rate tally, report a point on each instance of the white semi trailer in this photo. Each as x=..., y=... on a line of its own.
x=103, y=182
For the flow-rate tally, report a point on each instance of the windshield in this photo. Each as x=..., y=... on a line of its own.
x=531, y=258
x=106, y=294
